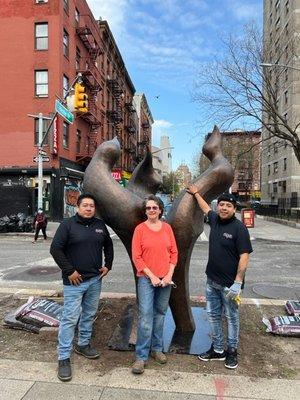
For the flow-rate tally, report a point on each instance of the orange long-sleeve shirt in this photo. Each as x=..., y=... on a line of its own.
x=155, y=250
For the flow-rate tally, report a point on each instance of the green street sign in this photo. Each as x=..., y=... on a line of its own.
x=64, y=112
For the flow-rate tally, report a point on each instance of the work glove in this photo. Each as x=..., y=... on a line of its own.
x=234, y=290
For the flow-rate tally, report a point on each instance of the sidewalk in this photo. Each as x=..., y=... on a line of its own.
x=29, y=380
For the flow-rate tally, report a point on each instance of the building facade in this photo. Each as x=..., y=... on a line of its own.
x=166, y=154
x=50, y=43
x=242, y=149
x=183, y=176
x=280, y=178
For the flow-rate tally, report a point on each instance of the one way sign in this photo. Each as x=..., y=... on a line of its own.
x=45, y=159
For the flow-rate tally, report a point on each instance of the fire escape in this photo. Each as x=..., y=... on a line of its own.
x=115, y=113
x=91, y=78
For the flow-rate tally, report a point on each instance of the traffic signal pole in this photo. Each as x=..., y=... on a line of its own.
x=41, y=139
x=40, y=163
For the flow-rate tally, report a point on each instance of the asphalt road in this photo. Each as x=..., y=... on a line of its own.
x=274, y=270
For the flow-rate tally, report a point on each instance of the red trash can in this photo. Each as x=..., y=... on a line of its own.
x=248, y=217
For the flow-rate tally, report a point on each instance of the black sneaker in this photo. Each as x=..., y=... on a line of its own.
x=231, y=358
x=64, y=370
x=86, y=351
x=211, y=355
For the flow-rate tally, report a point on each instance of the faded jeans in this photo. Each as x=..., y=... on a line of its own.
x=153, y=305
x=79, y=302
x=216, y=304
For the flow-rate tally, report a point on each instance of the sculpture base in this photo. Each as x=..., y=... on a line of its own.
x=124, y=336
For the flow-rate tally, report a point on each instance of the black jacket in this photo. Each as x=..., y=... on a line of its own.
x=78, y=245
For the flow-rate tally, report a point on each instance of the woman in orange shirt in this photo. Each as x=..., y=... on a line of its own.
x=154, y=254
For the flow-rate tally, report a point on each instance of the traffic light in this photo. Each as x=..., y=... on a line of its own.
x=80, y=99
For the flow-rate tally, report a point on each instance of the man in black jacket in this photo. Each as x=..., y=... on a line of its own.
x=228, y=258
x=77, y=249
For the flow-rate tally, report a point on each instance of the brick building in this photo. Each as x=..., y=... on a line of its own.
x=242, y=149
x=45, y=44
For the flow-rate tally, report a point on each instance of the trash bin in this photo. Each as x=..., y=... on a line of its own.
x=248, y=217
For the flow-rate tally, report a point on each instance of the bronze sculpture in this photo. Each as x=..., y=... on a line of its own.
x=121, y=208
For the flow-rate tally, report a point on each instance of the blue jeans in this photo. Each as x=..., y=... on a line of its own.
x=216, y=304
x=79, y=302
x=153, y=305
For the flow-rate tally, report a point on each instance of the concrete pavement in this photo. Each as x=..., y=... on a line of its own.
x=29, y=380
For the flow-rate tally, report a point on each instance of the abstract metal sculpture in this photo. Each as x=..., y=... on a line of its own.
x=121, y=208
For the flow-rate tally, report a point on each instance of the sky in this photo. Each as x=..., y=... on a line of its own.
x=163, y=43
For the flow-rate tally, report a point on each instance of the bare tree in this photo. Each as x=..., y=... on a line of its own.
x=238, y=89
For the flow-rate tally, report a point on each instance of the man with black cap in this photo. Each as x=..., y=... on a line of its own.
x=229, y=249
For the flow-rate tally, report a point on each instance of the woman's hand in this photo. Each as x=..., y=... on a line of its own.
x=167, y=280
x=155, y=281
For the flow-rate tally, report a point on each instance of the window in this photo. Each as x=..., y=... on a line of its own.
x=284, y=164
x=283, y=186
x=41, y=36
x=66, y=5
x=275, y=167
x=286, y=97
x=269, y=169
x=65, y=86
x=78, y=141
x=275, y=147
x=77, y=15
x=78, y=58
x=66, y=43
x=36, y=131
x=66, y=135
x=275, y=187
x=41, y=83
x=287, y=6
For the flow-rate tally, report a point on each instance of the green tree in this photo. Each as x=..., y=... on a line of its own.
x=170, y=184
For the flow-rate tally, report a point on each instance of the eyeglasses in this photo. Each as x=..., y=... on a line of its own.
x=155, y=208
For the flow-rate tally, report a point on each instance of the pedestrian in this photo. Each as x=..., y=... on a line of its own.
x=77, y=248
x=229, y=249
x=39, y=223
x=154, y=254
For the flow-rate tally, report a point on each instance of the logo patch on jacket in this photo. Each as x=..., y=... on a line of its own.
x=227, y=235
x=98, y=230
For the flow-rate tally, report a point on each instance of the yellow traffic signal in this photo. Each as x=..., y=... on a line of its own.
x=81, y=98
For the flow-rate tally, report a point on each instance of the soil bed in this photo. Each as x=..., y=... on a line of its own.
x=261, y=354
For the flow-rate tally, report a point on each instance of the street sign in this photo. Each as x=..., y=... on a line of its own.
x=45, y=159
x=43, y=152
x=64, y=112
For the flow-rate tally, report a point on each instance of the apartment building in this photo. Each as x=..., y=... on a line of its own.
x=242, y=149
x=45, y=44
x=280, y=177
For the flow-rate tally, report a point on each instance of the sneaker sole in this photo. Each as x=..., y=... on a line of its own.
x=64, y=379
x=212, y=359
x=84, y=355
x=229, y=367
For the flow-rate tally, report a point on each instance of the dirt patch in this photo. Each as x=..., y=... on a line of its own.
x=261, y=354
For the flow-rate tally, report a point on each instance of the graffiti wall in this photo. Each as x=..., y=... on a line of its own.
x=72, y=191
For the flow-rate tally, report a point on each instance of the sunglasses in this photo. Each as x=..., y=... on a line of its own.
x=155, y=208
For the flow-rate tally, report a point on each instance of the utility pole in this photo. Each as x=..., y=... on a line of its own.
x=41, y=139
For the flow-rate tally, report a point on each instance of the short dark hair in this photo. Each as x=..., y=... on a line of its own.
x=85, y=196
x=227, y=197
x=157, y=200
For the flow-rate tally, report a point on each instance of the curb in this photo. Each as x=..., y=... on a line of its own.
x=23, y=293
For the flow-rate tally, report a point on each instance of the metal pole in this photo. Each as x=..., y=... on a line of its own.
x=40, y=163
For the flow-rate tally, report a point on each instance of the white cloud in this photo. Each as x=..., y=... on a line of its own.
x=111, y=10
x=159, y=128
x=244, y=10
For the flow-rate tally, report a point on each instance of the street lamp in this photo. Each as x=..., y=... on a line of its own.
x=164, y=148
x=269, y=65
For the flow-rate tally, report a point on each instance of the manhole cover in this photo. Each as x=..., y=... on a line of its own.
x=43, y=270
x=271, y=291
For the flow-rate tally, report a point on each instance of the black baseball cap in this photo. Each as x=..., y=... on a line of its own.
x=227, y=197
